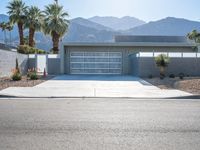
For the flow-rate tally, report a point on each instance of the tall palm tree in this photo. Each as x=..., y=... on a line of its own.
x=17, y=9
x=10, y=28
x=3, y=26
x=34, y=22
x=194, y=35
x=55, y=23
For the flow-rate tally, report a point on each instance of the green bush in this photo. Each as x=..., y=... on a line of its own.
x=171, y=76
x=32, y=74
x=181, y=75
x=150, y=76
x=25, y=49
x=16, y=76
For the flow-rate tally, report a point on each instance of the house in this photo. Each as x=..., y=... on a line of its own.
x=117, y=57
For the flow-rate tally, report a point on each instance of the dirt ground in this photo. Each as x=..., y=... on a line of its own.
x=6, y=82
x=188, y=84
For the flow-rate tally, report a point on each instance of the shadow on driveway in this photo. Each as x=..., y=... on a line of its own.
x=102, y=78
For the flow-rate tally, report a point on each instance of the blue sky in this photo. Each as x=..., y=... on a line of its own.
x=147, y=10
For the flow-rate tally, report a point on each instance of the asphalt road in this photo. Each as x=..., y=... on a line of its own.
x=99, y=124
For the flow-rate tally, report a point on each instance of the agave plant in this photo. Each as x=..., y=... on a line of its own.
x=162, y=62
x=17, y=9
x=34, y=22
x=55, y=23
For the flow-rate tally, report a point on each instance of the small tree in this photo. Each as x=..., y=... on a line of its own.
x=16, y=75
x=17, y=66
x=162, y=62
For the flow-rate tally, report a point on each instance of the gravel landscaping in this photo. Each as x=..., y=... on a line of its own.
x=188, y=84
x=25, y=82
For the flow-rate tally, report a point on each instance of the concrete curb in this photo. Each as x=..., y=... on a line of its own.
x=180, y=97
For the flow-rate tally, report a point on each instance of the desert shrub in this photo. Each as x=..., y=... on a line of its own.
x=181, y=75
x=150, y=76
x=171, y=76
x=25, y=49
x=16, y=75
x=32, y=74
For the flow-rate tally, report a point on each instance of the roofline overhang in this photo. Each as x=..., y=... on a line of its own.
x=129, y=44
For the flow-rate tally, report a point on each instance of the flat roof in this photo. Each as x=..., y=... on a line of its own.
x=130, y=44
x=151, y=38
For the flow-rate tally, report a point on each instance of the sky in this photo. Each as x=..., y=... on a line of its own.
x=147, y=10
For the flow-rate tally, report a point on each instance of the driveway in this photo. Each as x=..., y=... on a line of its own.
x=99, y=124
x=94, y=86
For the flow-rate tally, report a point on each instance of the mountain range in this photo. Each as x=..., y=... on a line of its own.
x=103, y=29
x=115, y=23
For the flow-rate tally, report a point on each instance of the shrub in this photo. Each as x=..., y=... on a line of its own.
x=181, y=76
x=150, y=76
x=32, y=74
x=162, y=76
x=171, y=76
x=16, y=76
x=25, y=49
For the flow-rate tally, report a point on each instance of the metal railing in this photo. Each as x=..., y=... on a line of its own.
x=169, y=54
x=48, y=55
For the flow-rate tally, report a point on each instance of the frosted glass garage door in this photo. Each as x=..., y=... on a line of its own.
x=95, y=62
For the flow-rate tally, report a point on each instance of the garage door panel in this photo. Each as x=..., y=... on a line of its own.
x=95, y=62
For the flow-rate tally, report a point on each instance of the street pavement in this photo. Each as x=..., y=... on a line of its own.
x=99, y=124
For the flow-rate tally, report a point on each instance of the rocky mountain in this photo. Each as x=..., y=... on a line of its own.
x=82, y=30
x=85, y=30
x=115, y=23
x=3, y=18
x=167, y=26
x=90, y=24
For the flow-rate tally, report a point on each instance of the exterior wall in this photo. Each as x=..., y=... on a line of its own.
x=53, y=66
x=146, y=66
x=31, y=63
x=127, y=53
x=8, y=62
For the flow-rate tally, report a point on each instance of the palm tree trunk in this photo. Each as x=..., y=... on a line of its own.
x=55, y=40
x=21, y=34
x=31, y=37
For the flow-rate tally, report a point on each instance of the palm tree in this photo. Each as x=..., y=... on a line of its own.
x=55, y=23
x=9, y=27
x=34, y=22
x=194, y=35
x=17, y=9
x=3, y=26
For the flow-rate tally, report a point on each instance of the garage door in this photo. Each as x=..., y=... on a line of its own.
x=95, y=62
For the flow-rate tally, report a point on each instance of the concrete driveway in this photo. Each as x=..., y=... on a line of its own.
x=94, y=86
